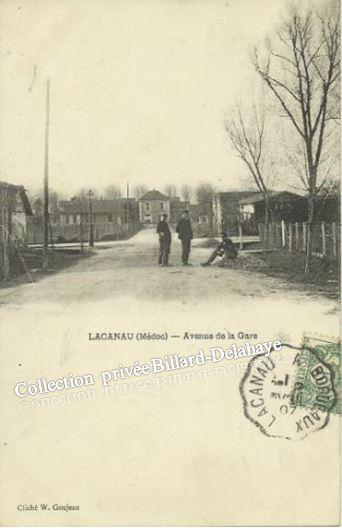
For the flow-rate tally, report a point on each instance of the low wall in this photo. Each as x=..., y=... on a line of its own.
x=72, y=232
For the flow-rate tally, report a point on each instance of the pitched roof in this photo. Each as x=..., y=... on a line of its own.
x=21, y=190
x=154, y=195
x=231, y=195
x=98, y=205
x=279, y=196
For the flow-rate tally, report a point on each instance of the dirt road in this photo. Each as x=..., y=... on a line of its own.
x=127, y=275
x=164, y=440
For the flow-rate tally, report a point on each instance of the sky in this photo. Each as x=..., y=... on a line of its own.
x=139, y=89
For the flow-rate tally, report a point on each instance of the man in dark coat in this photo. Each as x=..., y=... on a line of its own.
x=164, y=233
x=225, y=249
x=184, y=231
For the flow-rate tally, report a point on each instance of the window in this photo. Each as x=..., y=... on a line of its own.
x=147, y=206
x=162, y=206
x=74, y=218
x=110, y=218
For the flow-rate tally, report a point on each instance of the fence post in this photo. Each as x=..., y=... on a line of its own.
x=334, y=240
x=296, y=235
x=290, y=236
x=240, y=237
x=304, y=236
x=260, y=232
x=283, y=234
x=270, y=234
x=324, y=241
x=278, y=231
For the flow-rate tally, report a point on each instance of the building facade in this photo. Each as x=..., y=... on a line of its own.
x=14, y=212
x=226, y=210
x=118, y=211
x=285, y=205
x=154, y=203
x=151, y=205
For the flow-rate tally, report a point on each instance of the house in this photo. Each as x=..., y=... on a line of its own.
x=154, y=203
x=14, y=210
x=115, y=211
x=286, y=206
x=177, y=206
x=151, y=205
x=328, y=207
x=200, y=213
x=226, y=209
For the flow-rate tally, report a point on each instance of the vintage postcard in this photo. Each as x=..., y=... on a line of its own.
x=169, y=263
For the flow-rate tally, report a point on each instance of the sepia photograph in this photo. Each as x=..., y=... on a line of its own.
x=170, y=240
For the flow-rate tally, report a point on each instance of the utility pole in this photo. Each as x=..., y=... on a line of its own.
x=91, y=227
x=46, y=180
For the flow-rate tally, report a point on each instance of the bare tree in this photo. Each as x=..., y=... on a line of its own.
x=186, y=192
x=83, y=193
x=301, y=67
x=139, y=190
x=170, y=190
x=247, y=132
x=37, y=200
x=112, y=192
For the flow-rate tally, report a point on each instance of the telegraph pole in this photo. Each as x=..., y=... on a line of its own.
x=46, y=180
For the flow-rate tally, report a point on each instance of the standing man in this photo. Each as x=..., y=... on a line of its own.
x=185, y=234
x=164, y=233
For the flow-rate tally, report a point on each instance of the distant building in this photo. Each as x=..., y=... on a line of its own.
x=14, y=210
x=151, y=205
x=154, y=203
x=328, y=207
x=115, y=211
x=226, y=209
x=290, y=207
x=286, y=206
x=200, y=213
x=177, y=206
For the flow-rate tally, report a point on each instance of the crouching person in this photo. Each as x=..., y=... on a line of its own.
x=164, y=233
x=224, y=249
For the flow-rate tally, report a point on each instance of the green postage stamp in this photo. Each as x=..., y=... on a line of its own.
x=318, y=377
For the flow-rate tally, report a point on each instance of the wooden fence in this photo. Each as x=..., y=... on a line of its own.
x=325, y=238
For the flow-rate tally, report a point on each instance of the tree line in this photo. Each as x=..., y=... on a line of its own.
x=202, y=194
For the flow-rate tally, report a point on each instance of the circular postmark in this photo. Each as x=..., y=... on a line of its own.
x=269, y=388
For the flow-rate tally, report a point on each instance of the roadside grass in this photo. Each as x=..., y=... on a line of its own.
x=324, y=275
x=28, y=267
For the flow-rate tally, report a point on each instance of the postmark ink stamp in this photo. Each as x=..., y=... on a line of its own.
x=267, y=393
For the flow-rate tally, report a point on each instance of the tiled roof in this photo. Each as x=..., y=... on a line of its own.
x=280, y=196
x=154, y=195
x=21, y=189
x=98, y=206
x=235, y=195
